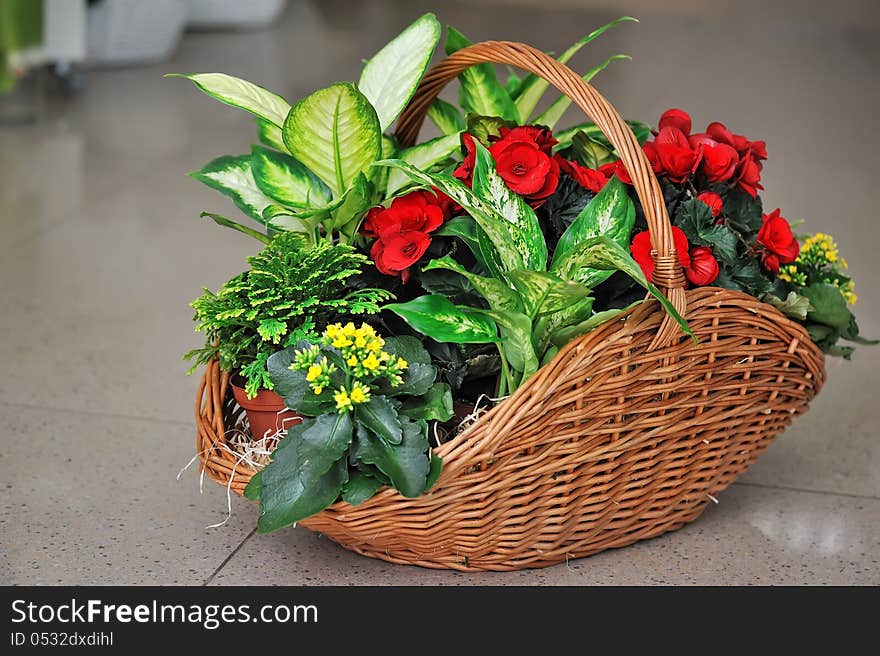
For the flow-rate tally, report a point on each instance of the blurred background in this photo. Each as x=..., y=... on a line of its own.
x=101, y=250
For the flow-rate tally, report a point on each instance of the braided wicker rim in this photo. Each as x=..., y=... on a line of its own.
x=626, y=434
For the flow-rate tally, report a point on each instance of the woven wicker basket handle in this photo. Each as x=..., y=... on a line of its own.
x=668, y=274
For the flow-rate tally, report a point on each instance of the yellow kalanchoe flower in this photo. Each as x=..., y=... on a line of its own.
x=352, y=361
x=343, y=401
x=313, y=372
x=371, y=362
x=360, y=393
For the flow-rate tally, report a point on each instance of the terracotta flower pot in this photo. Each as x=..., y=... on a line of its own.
x=266, y=412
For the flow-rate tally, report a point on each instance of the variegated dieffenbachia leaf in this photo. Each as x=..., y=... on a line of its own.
x=390, y=78
x=480, y=92
x=520, y=226
x=335, y=133
x=242, y=94
x=232, y=175
x=446, y=116
x=270, y=134
x=284, y=179
x=422, y=156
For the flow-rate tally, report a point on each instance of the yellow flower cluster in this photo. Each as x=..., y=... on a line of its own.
x=365, y=363
x=819, y=249
x=848, y=291
x=790, y=273
x=819, y=261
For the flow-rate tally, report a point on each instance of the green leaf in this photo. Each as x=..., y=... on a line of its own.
x=254, y=487
x=519, y=228
x=446, y=117
x=408, y=347
x=335, y=133
x=513, y=84
x=641, y=130
x=466, y=228
x=565, y=334
x=480, y=92
x=270, y=134
x=610, y=213
x=601, y=254
x=232, y=176
x=483, y=128
x=590, y=152
x=516, y=339
x=285, y=180
x=356, y=200
x=423, y=156
x=283, y=219
x=533, y=87
x=307, y=471
x=544, y=293
x=550, y=116
x=441, y=320
x=794, y=305
x=497, y=293
x=229, y=223
x=242, y=94
x=696, y=221
x=407, y=464
x=744, y=274
x=743, y=212
x=495, y=238
x=828, y=305
x=417, y=380
x=359, y=488
x=548, y=324
x=293, y=387
x=435, y=404
x=390, y=78
x=380, y=417
x=434, y=472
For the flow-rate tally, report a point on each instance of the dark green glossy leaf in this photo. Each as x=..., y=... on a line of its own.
x=516, y=339
x=641, y=130
x=293, y=387
x=828, y=305
x=307, y=472
x=407, y=464
x=409, y=348
x=466, y=228
x=434, y=472
x=696, y=221
x=359, y=488
x=435, y=404
x=380, y=417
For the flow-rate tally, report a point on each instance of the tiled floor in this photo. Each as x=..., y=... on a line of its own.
x=101, y=250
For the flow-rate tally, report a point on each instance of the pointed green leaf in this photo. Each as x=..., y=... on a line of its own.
x=516, y=339
x=544, y=293
x=307, y=471
x=497, y=293
x=533, y=87
x=293, y=387
x=356, y=200
x=446, y=116
x=285, y=180
x=242, y=94
x=390, y=78
x=229, y=223
x=610, y=213
x=565, y=334
x=593, y=257
x=434, y=471
x=270, y=134
x=480, y=92
x=407, y=464
x=232, y=176
x=438, y=318
x=408, y=347
x=466, y=228
x=380, y=417
x=335, y=133
x=590, y=152
x=422, y=156
x=520, y=227
x=550, y=116
x=284, y=219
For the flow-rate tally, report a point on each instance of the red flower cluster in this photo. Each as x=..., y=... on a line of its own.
x=402, y=231
x=700, y=266
x=778, y=244
x=523, y=159
x=717, y=154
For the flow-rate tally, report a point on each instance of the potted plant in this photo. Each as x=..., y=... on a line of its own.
x=627, y=325
x=287, y=291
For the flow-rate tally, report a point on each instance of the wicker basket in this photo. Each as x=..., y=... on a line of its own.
x=627, y=434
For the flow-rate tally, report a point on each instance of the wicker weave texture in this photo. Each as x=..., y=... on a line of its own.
x=626, y=434
x=610, y=443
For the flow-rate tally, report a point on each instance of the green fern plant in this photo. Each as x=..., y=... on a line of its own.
x=290, y=288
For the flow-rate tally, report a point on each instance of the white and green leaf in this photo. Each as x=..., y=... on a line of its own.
x=229, y=223
x=270, y=134
x=335, y=133
x=233, y=177
x=423, y=156
x=545, y=293
x=391, y=77
x=495, y=291
x=288, y=182
x=446, y=116
x=242, y=94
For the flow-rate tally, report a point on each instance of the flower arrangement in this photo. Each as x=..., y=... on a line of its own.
x=396, y=283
